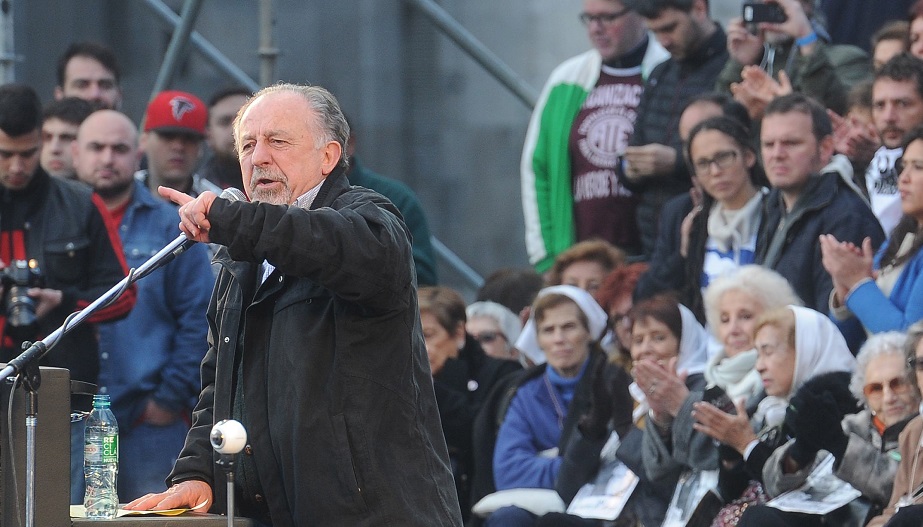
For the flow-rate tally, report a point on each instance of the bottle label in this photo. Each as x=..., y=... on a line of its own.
x=101, y=450
x=111, y=449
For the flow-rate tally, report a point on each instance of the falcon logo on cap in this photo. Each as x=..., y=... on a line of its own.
x=181, y=106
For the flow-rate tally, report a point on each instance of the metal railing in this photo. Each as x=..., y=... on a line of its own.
x=184, y=35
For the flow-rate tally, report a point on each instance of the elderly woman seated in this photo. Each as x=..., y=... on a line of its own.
x=864, y=448
x=794, y=345
x=495, y=328
x=566, y=325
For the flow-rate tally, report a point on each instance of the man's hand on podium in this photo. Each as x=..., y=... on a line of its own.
x=187, y=494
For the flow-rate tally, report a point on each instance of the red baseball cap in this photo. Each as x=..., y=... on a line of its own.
x=176, y=111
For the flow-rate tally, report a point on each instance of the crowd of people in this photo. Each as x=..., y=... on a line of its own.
x=725, y=227
x=756, y=195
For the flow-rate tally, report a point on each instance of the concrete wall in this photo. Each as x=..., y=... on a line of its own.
x=425, y=112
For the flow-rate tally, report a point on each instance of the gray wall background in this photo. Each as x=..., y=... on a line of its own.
x=424, y=111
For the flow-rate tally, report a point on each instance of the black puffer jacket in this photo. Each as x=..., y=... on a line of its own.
x=669, y=88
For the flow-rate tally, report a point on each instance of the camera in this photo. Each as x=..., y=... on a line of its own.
x=17, y=278
x=756, y=12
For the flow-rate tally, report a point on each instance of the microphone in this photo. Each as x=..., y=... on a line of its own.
x=233, y=194
x=228, y=437
x=180, y=244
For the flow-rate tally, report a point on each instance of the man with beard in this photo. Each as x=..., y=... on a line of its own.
x=315, y=341
x=653, y=163
x=222, y=168
x=174, y=129
x=61, y=225
x=897, y=108
x=89, y=71
x=149, y=361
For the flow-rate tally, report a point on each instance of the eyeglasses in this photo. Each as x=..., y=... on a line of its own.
x=488, y=336
x=916, y=363
x=723, y=160
x=897, y=385
x=604, y=19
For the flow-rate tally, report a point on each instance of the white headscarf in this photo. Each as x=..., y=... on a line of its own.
x=693, y=344
x=527, y=343
x=819, y=348
x=508, y=322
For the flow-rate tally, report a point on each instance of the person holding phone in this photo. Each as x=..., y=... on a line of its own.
x=781, y=48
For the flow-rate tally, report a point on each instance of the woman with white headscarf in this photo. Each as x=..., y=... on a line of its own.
x=794, y=344
x=669, y=354
x=566, y=324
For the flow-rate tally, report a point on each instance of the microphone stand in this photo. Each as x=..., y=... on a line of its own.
x=28, y=359
x=27, y=362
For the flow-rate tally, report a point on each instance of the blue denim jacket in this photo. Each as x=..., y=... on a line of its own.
x=155, y=352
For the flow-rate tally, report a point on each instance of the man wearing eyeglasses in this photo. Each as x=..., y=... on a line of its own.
x=571, y=188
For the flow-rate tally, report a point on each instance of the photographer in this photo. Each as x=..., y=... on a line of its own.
x=800, y=47
x=58, y=224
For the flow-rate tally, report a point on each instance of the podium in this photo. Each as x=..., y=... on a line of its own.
x=52, y=452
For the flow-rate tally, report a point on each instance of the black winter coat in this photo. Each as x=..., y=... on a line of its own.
x=671, y=85
x=339, y=403
x=826, y=206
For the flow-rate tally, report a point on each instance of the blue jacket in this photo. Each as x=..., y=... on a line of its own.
x=155, y=352
x=876, y=312
x=532, y=426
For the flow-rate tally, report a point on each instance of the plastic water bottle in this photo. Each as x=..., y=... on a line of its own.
x=101, y=461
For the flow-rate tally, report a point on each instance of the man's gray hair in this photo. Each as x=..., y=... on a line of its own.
x=329, y=118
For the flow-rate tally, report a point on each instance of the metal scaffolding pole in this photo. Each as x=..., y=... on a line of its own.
x=478, y=51
x=177, y=45
x=7, y=45
x=204, y=47
x=268, y=52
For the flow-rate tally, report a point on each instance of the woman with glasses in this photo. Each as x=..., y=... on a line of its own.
x=720, y=235
x=615, y=297
x=905, y=508
x=884, y=291
x=495, y=328
x=462, y=375
x=865, y=448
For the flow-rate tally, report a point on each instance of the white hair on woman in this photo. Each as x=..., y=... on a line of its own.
x=509, y=323
x=766, y=286
x=879, y=344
